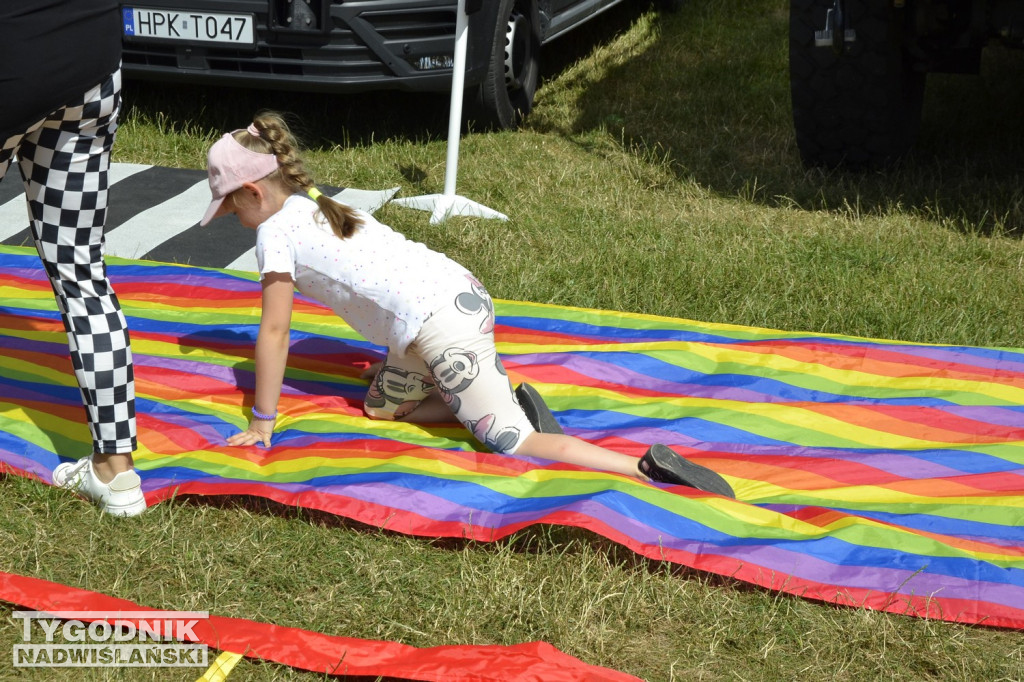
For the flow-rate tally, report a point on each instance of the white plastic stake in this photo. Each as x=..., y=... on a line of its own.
x=442, y=206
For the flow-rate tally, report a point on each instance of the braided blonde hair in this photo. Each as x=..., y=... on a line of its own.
x=275, y=137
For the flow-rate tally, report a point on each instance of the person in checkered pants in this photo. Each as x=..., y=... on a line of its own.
x=60, y=85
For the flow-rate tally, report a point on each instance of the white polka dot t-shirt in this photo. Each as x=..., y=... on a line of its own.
x=381, y=283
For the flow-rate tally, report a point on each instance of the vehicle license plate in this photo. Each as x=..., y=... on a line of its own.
x=207, y=27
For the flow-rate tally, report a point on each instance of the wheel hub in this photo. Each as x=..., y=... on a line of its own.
x=515, y=47
x=835, y=34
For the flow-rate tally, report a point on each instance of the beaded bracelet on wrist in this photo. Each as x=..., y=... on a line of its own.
x=263, y=417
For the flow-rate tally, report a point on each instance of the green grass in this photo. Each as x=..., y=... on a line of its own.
x=658, y=174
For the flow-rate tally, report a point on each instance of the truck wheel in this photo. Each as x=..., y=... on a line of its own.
x=856, y=102
x=506, y=94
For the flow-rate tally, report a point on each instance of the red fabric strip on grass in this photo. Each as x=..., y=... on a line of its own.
x=343, y=656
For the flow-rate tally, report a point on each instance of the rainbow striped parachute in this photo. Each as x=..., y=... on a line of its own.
x=868, y=473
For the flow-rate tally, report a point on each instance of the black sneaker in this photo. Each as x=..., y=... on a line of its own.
x=536, y=411
x=662, y=464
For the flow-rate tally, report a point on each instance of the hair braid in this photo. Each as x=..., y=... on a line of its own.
x=275, y=134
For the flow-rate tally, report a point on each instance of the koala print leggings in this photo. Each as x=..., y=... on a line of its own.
x=64, y=161
x=454, y=353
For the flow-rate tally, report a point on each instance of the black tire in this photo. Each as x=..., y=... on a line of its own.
x=506, y=94
x=861, y=107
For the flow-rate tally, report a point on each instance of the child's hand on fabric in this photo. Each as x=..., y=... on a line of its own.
x=260, y=430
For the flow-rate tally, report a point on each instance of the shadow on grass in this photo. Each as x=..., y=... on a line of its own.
x=325, y=120
x=536, y=539
x=710, y=91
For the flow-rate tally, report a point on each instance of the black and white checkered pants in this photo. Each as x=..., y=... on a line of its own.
x=64, y=161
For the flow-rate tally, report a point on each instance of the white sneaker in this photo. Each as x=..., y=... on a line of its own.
x=121, y=497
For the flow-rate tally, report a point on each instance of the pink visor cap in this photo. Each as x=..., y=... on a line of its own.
x=230, y=165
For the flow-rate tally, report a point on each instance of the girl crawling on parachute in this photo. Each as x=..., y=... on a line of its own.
x=435, y=318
